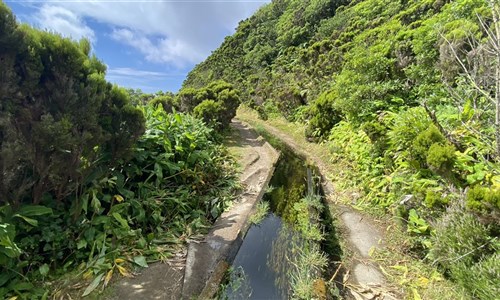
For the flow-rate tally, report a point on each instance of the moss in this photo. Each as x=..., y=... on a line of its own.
x=481, y=198
x=441, y=157
x=424, y=141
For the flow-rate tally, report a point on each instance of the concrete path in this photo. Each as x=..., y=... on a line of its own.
x=197, y=274
x=207, y=261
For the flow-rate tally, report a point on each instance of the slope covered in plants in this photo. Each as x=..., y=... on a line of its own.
x=406, y=94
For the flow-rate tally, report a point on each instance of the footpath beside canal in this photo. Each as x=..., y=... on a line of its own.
x=196, y=272
x=208, y=260
x=361, y=234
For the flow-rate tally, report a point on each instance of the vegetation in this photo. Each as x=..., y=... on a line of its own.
x=261, y=210
x=405, y=95
x=92, y=181
x=215, y=103
x=297, y=254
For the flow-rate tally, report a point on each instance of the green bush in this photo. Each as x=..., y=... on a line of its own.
x=434, y=199
x=424, y=141
x=167, y=102
x=481, y=280
x=467, y=251
x=458, y=236
x=323, y=116
x=441, y=157
x=405, y=127
x=58, y=114
x=221, y=108
x=177, y=180
x=482, y=198
x=210, y=112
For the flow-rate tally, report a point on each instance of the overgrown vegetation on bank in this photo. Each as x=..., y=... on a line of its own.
x=94, y=182
x=406, y=96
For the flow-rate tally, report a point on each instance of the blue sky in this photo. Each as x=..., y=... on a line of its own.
x=150, y=44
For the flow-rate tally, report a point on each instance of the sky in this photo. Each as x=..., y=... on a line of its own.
x=149, y=45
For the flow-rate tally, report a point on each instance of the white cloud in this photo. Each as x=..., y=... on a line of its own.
x=162, y=50
x=148, y=81
x=63, y=21
x=172, y=32
x=134, y=72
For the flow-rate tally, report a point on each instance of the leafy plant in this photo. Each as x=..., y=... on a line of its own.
x=260, y=213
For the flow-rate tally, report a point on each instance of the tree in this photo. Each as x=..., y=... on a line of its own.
x=58, y=115
x=216, y=103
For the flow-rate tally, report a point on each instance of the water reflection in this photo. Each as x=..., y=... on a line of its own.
x=266, y=261
x=258, y=281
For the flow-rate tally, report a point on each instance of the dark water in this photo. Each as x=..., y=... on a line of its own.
x=252, y=276
x=259, y=270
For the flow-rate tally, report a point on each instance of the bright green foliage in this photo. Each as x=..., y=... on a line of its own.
x=423, y=142
x=209, y=111
x=89, y=183
x=177, y=179
x=441, y=157
x=215, y=103
x=167, y=102
x=434, y=199
x=323, y=116
x=483, y=198
x=380, y=82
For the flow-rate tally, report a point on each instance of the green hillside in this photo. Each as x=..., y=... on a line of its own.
x=406, y=94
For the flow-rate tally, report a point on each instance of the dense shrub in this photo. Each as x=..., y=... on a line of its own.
x=215, y=103
x=323, y=116
x=440, y=157
x=424, y=141
x=467, y=251
x=58, y=115
x=483, y=198
x=209, y=111
x=167, y=102
x=177, y=180
x=87, y=184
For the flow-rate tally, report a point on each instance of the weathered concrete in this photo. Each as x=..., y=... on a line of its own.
x=206, y=260
x=161, y=281
x=199, y=274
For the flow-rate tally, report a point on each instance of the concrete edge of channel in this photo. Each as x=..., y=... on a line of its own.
x=227, y=254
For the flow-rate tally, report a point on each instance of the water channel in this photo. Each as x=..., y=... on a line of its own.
x=266, y=264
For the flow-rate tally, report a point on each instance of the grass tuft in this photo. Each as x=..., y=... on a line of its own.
x=262, y=209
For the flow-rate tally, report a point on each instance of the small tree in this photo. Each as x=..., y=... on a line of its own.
x=221, y=108
x=58, y=115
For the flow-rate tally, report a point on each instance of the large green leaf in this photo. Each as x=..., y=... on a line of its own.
x=34, y=210
x=141, y=261
x=93, y=285
x=121, y=220
x=30, y=221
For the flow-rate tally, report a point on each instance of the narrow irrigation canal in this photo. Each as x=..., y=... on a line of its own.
x=293, y=251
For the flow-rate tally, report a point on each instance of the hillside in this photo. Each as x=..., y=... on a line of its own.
x=406, y=95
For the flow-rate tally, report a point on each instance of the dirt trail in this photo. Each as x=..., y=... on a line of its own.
x=197, y=274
